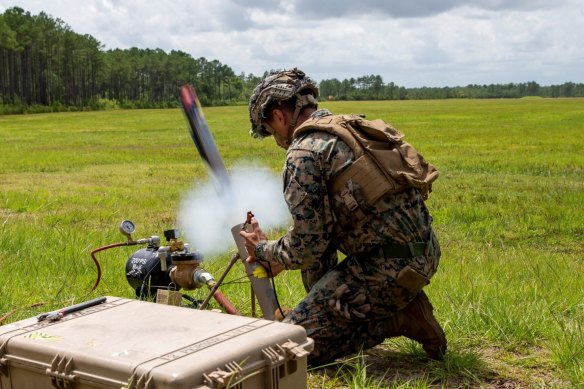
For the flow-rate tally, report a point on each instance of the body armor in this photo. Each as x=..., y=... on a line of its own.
x=384, y=163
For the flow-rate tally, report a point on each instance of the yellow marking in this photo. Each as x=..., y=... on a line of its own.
x=260, y=272
x=92, y=344
x=43, y=337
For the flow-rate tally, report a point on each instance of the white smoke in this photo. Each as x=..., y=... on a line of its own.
x=206, y=218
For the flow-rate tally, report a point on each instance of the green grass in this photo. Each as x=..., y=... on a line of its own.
x=508, y=209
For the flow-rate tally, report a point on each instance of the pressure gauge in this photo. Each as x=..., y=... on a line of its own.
x=127, y=228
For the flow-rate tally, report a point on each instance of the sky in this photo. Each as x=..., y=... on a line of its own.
x=412, y=43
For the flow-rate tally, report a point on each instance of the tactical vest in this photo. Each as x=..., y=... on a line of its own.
x=384, y=163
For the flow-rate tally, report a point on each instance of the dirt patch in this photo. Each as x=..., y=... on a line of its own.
x=490, y=367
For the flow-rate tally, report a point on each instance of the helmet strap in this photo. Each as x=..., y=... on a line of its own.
x=284, y=142
x=301, y=102
x=268, y=128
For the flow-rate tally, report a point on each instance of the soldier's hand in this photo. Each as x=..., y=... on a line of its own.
x=252, y=238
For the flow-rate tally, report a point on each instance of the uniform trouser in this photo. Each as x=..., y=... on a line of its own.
x=346, y=309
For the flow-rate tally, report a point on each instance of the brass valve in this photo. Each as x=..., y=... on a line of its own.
x=187, y=273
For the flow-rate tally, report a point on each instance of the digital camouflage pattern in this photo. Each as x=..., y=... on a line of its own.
x=347, y=302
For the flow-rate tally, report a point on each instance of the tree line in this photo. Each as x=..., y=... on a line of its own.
x=372, y=87
x=43, y=62
x=44, y=65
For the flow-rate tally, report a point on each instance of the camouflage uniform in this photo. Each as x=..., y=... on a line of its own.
x=347, y=302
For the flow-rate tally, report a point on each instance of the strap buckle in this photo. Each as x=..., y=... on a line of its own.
x=348, y=198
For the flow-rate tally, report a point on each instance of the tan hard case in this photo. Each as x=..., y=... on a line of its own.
x=134, y=344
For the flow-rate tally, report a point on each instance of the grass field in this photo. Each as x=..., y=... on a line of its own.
x=508, y=209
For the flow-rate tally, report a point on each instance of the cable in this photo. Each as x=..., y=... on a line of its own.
x=156, y=287
x=270, y=274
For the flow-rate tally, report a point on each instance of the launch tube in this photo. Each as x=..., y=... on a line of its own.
x=258, y=277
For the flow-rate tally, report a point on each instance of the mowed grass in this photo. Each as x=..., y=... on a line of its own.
x=508, y=209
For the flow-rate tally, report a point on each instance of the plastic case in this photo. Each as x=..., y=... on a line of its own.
x=134, y=344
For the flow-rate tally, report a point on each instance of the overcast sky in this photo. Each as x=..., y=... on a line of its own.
x=410, y=42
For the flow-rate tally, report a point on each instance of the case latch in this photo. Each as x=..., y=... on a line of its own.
x=145, y=381
x=3, y=366
x=294, y=349
x=223, y=378
x=60, y=372
x=282, y=361
x=3, y=360
x=288, y=351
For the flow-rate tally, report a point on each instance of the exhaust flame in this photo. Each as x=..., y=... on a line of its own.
x=206, y=218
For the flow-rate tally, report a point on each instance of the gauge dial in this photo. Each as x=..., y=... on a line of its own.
x=127, y=227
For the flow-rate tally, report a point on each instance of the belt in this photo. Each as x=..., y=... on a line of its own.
x=414, y=249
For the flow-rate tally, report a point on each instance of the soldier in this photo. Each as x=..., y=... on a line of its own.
x=340, y=201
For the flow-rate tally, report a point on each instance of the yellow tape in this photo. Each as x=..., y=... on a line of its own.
x=42, y=336
x=260, y=272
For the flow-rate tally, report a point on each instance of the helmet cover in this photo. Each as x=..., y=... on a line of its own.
x=277, y=86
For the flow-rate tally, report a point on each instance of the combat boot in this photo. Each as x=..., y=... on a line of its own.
x=417, y=322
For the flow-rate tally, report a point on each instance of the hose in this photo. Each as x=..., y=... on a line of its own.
x=97, y=250
x=224, y=302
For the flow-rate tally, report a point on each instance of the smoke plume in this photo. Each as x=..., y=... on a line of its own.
x=210, y=209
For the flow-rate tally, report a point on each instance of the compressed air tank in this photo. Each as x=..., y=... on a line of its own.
x=144, y=273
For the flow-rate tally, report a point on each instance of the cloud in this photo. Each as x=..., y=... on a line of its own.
x=327, y=9
x=412, y=43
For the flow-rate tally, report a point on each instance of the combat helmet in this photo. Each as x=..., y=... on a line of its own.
x=275, y=87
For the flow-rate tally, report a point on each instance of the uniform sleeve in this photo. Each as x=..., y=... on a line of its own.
x=310, y=235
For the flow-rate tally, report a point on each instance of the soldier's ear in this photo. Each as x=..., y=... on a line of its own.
x=279, y=119
x=279, y=116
